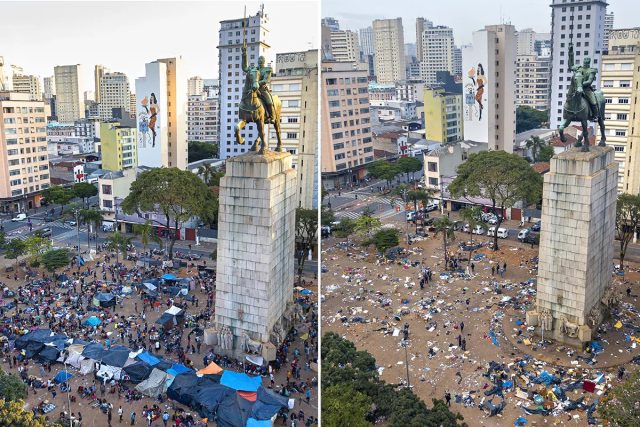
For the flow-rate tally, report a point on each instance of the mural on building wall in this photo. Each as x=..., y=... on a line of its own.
x=147, y=121
x=474, y=93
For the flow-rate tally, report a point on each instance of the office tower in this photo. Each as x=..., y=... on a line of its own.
x=437, y=49
x=114, y=93
x=388, y=42
x=98, y=72
x=49, y=87
x=366, y=42
x=211, y=87
x=232, y=78
x=195, y=86
x=608, y=27
x=442, y=115
x=23, y=83
x=24, y=162
x=533, y=76
x=69, y=93
x=296, y=84
x=344, y=46
x=457, y=61
x=161, y=97
x=619, y=83
x=347, y=144
x=132, y=105
x=119, y=146
x=202, y=118
x=421, y=25
x=488, y=87
x=582, y=23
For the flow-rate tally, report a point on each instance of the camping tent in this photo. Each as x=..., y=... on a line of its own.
x=92, y=321
x=148, y=358
x=109, y=372
x=177, y=369
x=267, y=404
x=63, y=376
x=240, y=381
x=87, y=366
x=174, y=316
x=75, y=356
x=208, y=398
x=155, y=384
x=233, y=412
x=93, y=351
x=211, y=369
x=48, y=354
x=116, y=356
x=138, y=371
x=103, y=299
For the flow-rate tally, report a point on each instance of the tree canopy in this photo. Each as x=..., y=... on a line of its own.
x=12, y=388
x=345, y=227
x=619, y=406
x=118, y=242
x=383, y=169
x=58, y=195
x=306, y=231
x=408, y=165
x=210, y=175
x=13, y=414
x=504, y=179
x=84, y=190
x=528, y=118
x=55, y=258
x=199, y=150
x=386, y=238
x=627, y=221
x=14, y=249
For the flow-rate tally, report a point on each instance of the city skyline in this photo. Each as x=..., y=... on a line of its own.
x=536, y=15
x=77, y=40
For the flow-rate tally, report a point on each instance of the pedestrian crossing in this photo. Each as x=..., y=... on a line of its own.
x=23, y=233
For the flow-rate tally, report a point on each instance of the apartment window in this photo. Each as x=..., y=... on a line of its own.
x=625, y=83
x=621, y=116
x=621, y=132
x=107, y=204
x=623, y=100
x=432, y=166
x=619, y=148
x=607, y=83
x=106, y=189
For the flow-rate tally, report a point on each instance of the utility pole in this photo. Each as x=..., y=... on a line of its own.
x=405, y=344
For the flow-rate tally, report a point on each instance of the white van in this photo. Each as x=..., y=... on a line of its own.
x=503, y=233
x=491, y=231
x=478, y=229
x=411, y=215
x=523, y=234
x=19, y=217
x=432, y=205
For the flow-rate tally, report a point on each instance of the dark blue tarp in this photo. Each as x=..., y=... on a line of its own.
x=240, y=381
x=116, y=356
x=103, y=296
x=138, y=371
x=148, y=358
x=234, y=412
x=32, y=349
x=48, y=354
x=93, y=351
x=185, y=387
x=268, y=403
x=207, y=399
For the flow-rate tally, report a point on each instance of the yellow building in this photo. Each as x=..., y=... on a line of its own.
x=442, y=115
x=119, y=146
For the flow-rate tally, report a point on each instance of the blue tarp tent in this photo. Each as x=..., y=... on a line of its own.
x=306, y=292
x=116, y=356
x=92, y=321
x=233, y=412
x=252, y=422
x=62, y=376
x=103, y=299
x=148, y=358
x=168, y=277
x=268, y=403
x=177, y=369
x=93, y=351
x=240, y=381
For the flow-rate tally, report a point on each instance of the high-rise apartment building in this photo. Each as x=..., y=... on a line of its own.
x=442, y=115
x=330, y=23
x=24, y=161
x=347, y=144
x=457, y=61
x=608, y=27
x=23, y=83
x=195, y=86
x=388, y=42
x=366, y=42
x=488, y=87
x=132, y=105
x=98, y=72
x=344, y=46
x=3, y=81
x=49, y=87
x=202, y=118
x=533, y=75
x=119, y=146
x=619, y=82
x=296, y=84
x=438, y=51
x=231, y=37
x=580, y=22
x=421, y=25
x=161, y=97
x=69, y=93
x=114, y=93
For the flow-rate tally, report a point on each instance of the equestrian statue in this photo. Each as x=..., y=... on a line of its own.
x=258, y=105
x=582, y=103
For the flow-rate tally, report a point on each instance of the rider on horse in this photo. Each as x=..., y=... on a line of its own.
x=264, y=79
x=585, y=76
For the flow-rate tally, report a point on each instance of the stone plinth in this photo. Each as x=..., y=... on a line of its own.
x=256, y=238
x=576, y=242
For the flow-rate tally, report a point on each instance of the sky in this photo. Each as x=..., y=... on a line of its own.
x=464, y=16
x=124, y=35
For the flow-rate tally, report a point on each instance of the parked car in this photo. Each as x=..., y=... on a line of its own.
x=458, y=226
x=411, y=215
x=107, y=228
x=466, y=228
x=43, y=232
x=432, y=206
x=536, y=226
x=493, y=220
x=532, y=238
x=503, y=233
x=478, y=229
x=19, y=217
x=71, y=222
x=48, y=218
x=523, y=234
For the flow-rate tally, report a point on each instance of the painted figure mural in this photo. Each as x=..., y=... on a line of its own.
x=474, y=93
x=153, y=111
x=148, y=121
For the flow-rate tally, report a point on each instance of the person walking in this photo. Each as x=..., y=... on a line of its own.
x=493, y=270
x=464, y=344
x=461, y=327
x=120, y=414
x=165, y=418
x=133, y=417
x=447, y=398
x=459, y=340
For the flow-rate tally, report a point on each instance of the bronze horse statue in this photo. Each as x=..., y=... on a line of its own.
x=576, y=108
x=251, y=110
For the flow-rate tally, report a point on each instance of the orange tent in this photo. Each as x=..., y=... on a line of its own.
x=212, y=369
x=251, y=396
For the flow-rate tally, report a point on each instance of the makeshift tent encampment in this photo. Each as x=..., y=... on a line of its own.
x=233, y=412
x=87, y=366
x=109, y=372
x=208, y=398
x=174, y=316
x=211, y=369
x=177, y=369
x=186, y=386
x=115, y=356
x=102, y=299
x=138, y=371
x=92, y=321
x=63, y=376
x=48, y=354
x=268, y=403
x=155, y=384
x=148, y=358
x=93, y=351
x=240, y=381
x=75, y=355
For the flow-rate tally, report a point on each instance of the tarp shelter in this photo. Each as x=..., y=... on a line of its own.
x=177, y=369
x=93, y=351
x=148, y=358
x=240, y=381
x=150, y=286
x=103, y=299
x=138, y=371
x=268, y=403
x=256, y=360
x=155, y=384
x=75, y=356
x=63, y=376
x=233, y=412
x=211, y=369
x=185, y=387
x=306, y=292
x=116, y=356
x=87, y=366
x=48, y=354
x=252, y=422
x=169, y=277
x=174, y=316
x=207, y=399
x=92, y=321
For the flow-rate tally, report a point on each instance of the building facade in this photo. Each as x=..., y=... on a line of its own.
x=533, y=76
x=296, y=84
x=119, y=146
x=366, y=42
x=344, y=46
x=69, y=93
x=457, y=61
x=488, y=87
x=438, y=48
x=114, y=93
x=388, y=44
x=347, y=144
x=231, y=77
x=442, y=115
x=23, y=83
x=49, y=87
x=202, y=118
x=98, y=72
x=195, y=86
x=608, y=27
x=24, y=162
x=582, y=23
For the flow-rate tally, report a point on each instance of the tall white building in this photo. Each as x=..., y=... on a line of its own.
x=114, y=93
x=49, y=87
x=366, y=41
x=488, y=87
x=608, y=27
x=344, y=46
x=533, y=74
x=457, y=61
x=421, y=25
x=195, y=86
x=23, y=83
x=69, y=93
x=437, y=48
x=232, y=78
x=585, y=21
x=388, y=42
x=202, y=118
x=98, y=72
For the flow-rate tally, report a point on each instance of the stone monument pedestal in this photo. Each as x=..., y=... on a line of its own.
x=576, y=244
x=255, y=258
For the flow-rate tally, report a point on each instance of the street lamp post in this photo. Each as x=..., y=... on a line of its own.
x=405, y=344
x=441, y=195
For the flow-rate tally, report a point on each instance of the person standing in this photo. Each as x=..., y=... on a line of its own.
x=120, y=414
x=133, y=417
x=461, y=327
x=464, y=344
x=447, y=398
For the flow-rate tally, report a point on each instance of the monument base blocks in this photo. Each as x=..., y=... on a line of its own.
x=576, y=250
x=255, y=258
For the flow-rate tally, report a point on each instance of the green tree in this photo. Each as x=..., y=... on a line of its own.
x=382, y=169
x=147, y=234
x=345, y=228
x=528, y=118
x=326, y=216
x=471, y=215
x=366, y=223
x=444, y=226
x=58, y=195
x=55, y=258
x=535, y=144
x=118, y=243
x=408, y=165
x=210, y=175
x=342, y=406
x=199, y=150
x=306, y=232
x=503, y=178
x=12, y=388
x=3, y=239
x=13, y=414
x=179, y=195
x=84, y=190
x=627, y=221
x=94, y=219
x=618, y=407
x=14, y=249
x=35, y=247
x=546, y=153
x=386, y=238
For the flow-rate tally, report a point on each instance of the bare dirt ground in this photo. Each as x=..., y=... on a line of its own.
x=366, y=298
